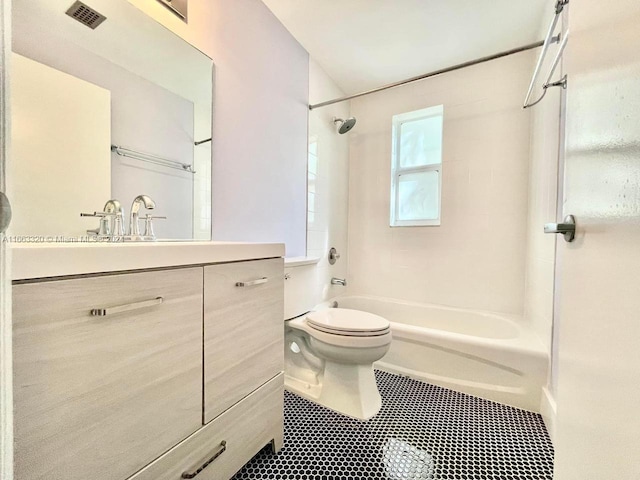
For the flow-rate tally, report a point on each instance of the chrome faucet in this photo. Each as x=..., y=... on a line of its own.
x=113, y=208
x=134, y=226
x=339, y=281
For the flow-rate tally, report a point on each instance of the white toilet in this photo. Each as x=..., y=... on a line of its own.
x=329, y=353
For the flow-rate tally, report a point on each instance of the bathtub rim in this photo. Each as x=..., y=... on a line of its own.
x=525, y=339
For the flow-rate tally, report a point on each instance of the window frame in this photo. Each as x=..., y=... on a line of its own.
x=397, y=170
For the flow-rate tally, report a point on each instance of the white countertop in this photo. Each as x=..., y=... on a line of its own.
x=299, y=261
x=45, y=260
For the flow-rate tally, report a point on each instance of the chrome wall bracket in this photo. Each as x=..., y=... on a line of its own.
x=560, y=83
x=560, y=4
x=567, y=228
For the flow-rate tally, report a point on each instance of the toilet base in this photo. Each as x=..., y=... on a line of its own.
x=348, y=389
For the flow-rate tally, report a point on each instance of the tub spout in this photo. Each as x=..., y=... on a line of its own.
x=339, y=281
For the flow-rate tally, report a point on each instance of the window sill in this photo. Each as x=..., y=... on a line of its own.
x=435, y=223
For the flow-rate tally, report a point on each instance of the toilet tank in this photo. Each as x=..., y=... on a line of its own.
x=300, y=290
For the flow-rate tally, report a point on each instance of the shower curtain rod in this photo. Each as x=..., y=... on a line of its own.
x=531, y=46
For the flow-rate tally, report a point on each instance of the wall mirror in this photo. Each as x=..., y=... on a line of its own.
x=107, y=104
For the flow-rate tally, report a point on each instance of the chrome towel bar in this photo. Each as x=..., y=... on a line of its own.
x=150, y=158
x=549, y=39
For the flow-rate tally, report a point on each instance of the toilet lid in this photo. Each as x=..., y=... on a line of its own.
x=348, y=322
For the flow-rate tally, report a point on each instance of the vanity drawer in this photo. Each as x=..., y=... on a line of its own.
x=245, y=429
x=100, y=397
x=243, y=330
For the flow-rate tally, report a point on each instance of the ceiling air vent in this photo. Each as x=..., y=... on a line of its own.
x=85, y=15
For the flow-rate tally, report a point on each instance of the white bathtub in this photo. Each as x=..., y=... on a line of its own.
x=483, y=354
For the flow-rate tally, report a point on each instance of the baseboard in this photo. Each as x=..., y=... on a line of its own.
x=548, y=412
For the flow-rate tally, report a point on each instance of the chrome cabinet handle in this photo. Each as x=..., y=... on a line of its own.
x=251, y=283
x=216, y=453
x=567, y=228
x=103, y=312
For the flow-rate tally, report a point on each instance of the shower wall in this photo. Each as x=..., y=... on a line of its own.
x=328, y=184
x=546, y=129
x=476, y=258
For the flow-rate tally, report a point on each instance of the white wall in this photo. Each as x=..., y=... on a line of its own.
x=476, y=258
x=543, y=189
x=328, y=184
x=61, y=133
x=260, y=119
x=543, y=204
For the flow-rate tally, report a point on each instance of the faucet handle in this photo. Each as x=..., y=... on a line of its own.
x=104, y=229
x=116, y=228
x=148, y=225
x=118, y=225
x=101, y=214
x=95, y=214
x=333, y=256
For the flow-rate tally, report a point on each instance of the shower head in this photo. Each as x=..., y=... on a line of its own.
x=345, y=125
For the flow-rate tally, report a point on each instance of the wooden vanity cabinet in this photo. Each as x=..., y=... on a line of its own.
x=243, y=330
x=102, y=396
x=145, y=376
x=233, y=437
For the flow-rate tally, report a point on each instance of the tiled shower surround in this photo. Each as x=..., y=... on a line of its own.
x=422, y=432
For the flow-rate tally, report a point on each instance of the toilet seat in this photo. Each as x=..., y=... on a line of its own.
x=343, y=333
x=346, y=322
x=339, y=339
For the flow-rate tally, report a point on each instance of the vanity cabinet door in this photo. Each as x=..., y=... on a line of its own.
x=243, y=330
x=100, y=397
x=226, y=444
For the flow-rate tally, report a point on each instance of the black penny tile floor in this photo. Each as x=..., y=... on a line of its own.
x=422, y=432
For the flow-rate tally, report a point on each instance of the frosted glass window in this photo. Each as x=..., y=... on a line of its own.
x=421, y=142
x=418, y=196
x=416, y=168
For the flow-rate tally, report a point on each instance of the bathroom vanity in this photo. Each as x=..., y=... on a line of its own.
x=146, y=362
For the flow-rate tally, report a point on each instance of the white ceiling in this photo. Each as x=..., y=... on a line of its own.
x=363, y=44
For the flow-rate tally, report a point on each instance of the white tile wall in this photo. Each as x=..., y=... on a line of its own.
x=543, y=185
x=476, y=258
x=328, y=184
x=202, y=159
x=541, y=248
